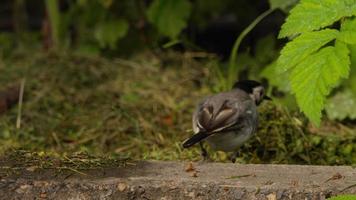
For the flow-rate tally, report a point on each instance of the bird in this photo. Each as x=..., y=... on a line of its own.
x=228, y=119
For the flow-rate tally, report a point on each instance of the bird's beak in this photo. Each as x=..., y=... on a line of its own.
x=267, y=98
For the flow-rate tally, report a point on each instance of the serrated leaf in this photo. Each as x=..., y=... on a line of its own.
x=169, y=16
x=310, y=15
x=353, y=66
x=109, y=32
x=302, y=46
x=349, y=37
x=342, y=106
x=349, y=25
x=282, y=4
x=313, y=79
x=348, y=31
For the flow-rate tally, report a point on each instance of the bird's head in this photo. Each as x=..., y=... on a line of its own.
x=255, y=89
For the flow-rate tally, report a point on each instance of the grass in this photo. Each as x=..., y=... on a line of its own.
x=140, y=108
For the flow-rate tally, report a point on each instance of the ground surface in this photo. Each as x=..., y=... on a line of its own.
x=181, y=180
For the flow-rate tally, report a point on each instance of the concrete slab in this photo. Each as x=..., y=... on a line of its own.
x=181, y=180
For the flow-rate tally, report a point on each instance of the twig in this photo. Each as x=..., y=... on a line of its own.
x=348, y=187
x=19, y=111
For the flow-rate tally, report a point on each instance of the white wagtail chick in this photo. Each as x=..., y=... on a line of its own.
x=228, y=119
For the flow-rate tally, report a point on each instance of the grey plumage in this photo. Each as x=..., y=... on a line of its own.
x=228, y=119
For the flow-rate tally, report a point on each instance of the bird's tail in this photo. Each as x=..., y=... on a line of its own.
x=194, y=139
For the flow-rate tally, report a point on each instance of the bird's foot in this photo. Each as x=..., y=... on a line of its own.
x=204, y=154
x=233, y=156
x=205, y=157
x=233, y=160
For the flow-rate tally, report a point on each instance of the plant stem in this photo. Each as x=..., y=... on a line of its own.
x=19, y=20
x=233, y=69
x=19, y=111
x=54, y=18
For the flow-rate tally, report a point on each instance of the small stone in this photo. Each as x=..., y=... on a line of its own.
x=31, y=168
x=189, y=167
x=194, y=174
x=121, y=187
x=336, y=176
x=43, y=195
x=23, y=188
x=294, y=183
x=269, y=182
x=40, y=183
x=272, y=196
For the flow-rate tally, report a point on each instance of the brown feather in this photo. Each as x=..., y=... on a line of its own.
x=222, y=117
x=210, y=120
x=205, y=117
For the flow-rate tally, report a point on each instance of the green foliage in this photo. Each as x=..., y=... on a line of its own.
x=109, y=32
x=317, y=60
x=284, y=5
x=233, y=67
x=348, y=32
x=135, y=118
x=310, y=15
x=313, y=78
x=270, y=72
x=343, y=197
x=169, y=16
x=342, y=105
x=303, y=46
x=55, y=21
x=7, y=43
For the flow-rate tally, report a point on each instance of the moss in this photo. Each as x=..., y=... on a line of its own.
x=141, y=108
x=18, y=161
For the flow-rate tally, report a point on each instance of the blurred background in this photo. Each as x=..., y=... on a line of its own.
x=123, y=78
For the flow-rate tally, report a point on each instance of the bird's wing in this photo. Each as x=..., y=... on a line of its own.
x=207, y=122
x=219, y=113
x=210, y=123
x=215, y=116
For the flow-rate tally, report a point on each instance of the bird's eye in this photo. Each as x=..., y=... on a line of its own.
x=261, y=93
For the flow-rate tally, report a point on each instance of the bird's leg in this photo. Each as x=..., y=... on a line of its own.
x=233, y=156
x=204, y=152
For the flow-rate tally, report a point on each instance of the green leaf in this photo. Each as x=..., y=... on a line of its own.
x=313, y=78
x=310, y=15
x=348, y=37
x=353, y=57
x=169, y=16
x=284, y=5
x=349, y=25
x=348, y=31
x=342, y=105
x=302, y=46
x=343, y=197
x=109, y=32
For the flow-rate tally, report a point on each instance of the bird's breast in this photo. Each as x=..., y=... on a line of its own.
x=229, y=141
